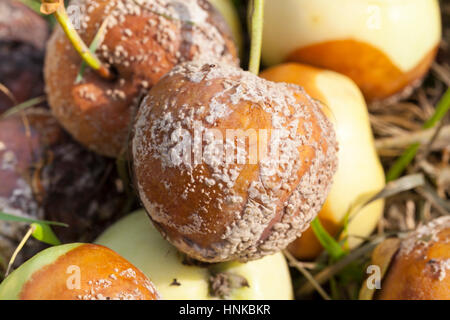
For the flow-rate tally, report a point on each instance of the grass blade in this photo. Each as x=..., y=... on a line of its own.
x=22, y=106
x=333, y=248
x=408, y=156
x=10, y=217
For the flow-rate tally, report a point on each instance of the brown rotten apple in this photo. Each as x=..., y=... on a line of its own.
x=224, y=201
x=44, y=174
x=143, y=40
x=77, y=272
x=23, y=35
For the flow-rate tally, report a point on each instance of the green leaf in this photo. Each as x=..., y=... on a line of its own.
x=11, y=217
x=333, y=248
x=44, y=233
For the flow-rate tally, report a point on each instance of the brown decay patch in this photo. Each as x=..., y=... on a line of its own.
x=24, y=143
x=373, y=71
x=189, y=261
x=222, y=284
x=104, y=276
x=175, y=283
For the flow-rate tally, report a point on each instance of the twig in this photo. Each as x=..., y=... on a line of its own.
x=19, y=248
x=299, y=266
x=8, y=93
x=332, y=270
x=442, y=73
x=438, y=203
x=422, y=137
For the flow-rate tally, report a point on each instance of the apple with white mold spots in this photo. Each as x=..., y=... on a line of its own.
x=77, y=272
x=215, y=206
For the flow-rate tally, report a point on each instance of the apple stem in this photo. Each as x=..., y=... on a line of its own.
x=87, y=55
x=256, y=32
x=19, y=248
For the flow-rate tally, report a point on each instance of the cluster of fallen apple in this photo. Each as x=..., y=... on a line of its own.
x=216, y=229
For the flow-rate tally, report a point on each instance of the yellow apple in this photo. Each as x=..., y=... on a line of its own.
x=359, y=171
x=136, y=239
x=385, y=46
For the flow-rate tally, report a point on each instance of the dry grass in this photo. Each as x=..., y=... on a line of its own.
x=398, y=125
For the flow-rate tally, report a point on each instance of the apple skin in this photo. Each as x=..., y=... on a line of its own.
x=229, y=12
x=102, y=275
x=377, y=43
x=268, y=278
x=359, y=169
